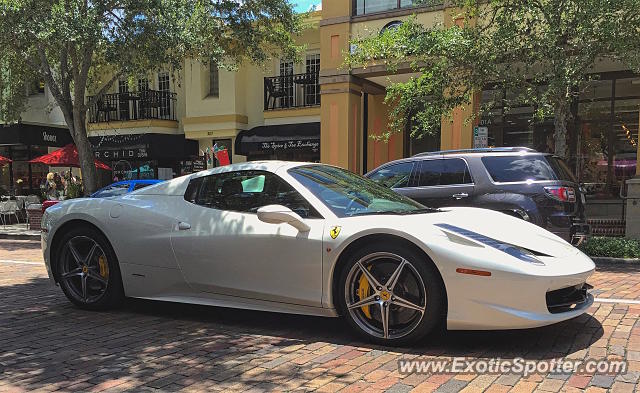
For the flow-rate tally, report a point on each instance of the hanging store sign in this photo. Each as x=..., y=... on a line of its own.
x=480, y=137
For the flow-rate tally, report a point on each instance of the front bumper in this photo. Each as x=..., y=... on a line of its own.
x=46, y=253
x=511, y=300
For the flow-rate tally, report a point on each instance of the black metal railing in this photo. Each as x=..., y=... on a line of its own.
x=291, y=91
x=141, y=105
x=363, y=7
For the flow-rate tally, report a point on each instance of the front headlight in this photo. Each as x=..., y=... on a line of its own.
x=517, y=252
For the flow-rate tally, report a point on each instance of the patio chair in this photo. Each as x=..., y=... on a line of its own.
x=273, y=93
x=8, y=209
x=21, y=205
x=105, y=107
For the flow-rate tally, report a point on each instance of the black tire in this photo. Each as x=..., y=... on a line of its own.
x=434, y=292
x=110, y=297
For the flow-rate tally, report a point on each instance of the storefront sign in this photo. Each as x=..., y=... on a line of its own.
x=480, y=137
x=47, y=137
x=35, y=135
x=192, y=166
x=314, y=145
x=121, y=154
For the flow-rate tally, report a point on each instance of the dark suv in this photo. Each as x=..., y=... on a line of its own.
x=522, y=182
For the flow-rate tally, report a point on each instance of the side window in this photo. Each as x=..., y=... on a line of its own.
x=430, y=171
x=191, y=194
x=454, y=171
x=393, y=176
x=247, y=191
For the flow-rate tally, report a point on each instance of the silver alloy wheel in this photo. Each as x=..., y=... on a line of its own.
x=395, y=300
x=81, y=269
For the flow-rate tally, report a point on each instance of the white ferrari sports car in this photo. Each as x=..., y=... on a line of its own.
x=314, y=239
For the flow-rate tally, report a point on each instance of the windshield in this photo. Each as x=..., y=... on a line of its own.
x=348, y=194
x=111, y=191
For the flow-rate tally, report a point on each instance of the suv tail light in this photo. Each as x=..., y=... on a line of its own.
x=562, y=194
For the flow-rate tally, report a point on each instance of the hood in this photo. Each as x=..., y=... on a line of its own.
x=506, y=229
x=489, y=223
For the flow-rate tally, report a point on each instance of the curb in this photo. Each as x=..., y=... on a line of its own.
x=615, y=261
x=19, y=236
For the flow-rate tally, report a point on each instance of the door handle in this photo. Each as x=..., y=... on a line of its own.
x=183, y=226
x=460, y=195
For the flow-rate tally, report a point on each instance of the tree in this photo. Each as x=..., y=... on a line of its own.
x=544, y=50
x=79, y=47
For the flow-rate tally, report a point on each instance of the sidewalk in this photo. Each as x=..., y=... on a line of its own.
x=18, y=231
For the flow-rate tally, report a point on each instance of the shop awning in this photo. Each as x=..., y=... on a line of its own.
x=34, y=134
x=284, y=137
x=67, y=156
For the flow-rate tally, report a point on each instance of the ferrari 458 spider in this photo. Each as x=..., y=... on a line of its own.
x=319, y=240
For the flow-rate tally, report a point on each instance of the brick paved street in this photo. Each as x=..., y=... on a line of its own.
x=47, y=345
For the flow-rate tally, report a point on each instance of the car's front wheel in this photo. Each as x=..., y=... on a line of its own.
x=88, y=270
x=390, y=294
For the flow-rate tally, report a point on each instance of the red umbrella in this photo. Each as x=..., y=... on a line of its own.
x=67, y=156
x=4, y=160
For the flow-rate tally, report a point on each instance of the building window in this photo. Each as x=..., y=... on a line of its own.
x=312, y=90
x=123, y=100
x=143, y=84
x=214, y=80
x=35, y=87
x=286, y=83
x=362, y=7
x=164, y=92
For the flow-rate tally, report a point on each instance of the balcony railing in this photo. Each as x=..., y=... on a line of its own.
x=363, y=7
x=142, y=105
x=291, y=91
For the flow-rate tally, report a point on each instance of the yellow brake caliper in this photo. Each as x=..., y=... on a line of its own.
x=104, y=267
x=363, y=292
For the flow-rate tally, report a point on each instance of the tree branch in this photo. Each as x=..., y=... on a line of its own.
x=93, y=99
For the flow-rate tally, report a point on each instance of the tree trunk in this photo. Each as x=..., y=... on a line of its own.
x=85, y=153
x=560, y=125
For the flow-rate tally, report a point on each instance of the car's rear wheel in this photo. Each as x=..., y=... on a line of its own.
x=390, y=294
x=88, y=270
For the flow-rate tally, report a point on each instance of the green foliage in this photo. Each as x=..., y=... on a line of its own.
x=73, y=187
x=79, y=47
x=611, y=247
x=545, y=50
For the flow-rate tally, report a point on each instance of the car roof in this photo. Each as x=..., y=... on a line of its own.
x=270, y=166
x=178, y=185
x=493, y=150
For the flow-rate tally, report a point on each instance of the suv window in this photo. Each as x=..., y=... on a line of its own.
x=393, y=176
x=455, y=171
x=443, y=172
x=508, y=169
x=247, y=191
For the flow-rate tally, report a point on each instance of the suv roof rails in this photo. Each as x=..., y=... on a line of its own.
x=487, y=150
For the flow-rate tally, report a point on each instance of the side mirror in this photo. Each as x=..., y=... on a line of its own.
x=278, y=214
